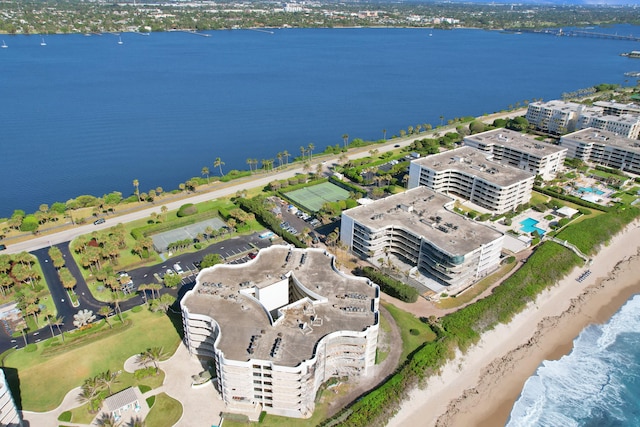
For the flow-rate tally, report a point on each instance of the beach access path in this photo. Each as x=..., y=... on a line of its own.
x=479, y=388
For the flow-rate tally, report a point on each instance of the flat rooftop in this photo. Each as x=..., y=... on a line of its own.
x=421, y=211
x=565, y=106
x=597, y=136
x=336, y=302
x=474, y=162
x=515, y=140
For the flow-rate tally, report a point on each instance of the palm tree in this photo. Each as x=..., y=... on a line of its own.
x=250, y=163
x=136, y=422
x=205, y=171
x=116, y=299
x=108, y=420
x=384, y=134
x=57, y=321
x=136, y=184
x=345, y=139
x=108, y=378
x=310, y=147
x=104, y=311
x=153, y=355
x=441, y=120
x=218, y=163
x=303, y=151
x=286, y=155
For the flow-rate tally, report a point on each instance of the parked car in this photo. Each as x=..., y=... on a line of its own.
x=252, y=255
x=3, y=247
x=177, y=268
x=99, y=221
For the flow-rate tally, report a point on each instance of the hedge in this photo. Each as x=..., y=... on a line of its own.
x=256, y=206
x=347, y=185
x=572, y=199
x=140, y=232
x=390, y=286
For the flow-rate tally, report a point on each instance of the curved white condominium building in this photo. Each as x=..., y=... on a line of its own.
x=419, y=227
x=279, y=326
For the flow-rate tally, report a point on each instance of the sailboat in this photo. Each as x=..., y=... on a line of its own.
x=43, y=43
x=4, y=45
x=120, y=40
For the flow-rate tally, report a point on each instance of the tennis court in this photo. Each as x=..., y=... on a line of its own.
x=312, y=198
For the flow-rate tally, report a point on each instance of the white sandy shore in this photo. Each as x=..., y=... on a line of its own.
x=480, y=387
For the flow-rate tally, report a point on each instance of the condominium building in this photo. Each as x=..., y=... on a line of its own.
x=9, y=415
x=519, y=150
x=420, y=228
x=468, y=173
x=279, y=326
x=613, y=108
x=626, y=125
x=559, y=117
x=605, y=148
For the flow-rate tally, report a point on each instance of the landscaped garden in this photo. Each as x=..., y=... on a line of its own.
x=42, y=386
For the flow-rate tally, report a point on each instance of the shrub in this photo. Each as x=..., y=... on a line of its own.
x=136, y=309
x=414, y=332
x=30, y=348
x=144, y=373
x=150, y=401
x=65, y=416
x=390, y=286
x=186, y=210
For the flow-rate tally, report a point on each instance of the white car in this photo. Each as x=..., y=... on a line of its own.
x=178, y=269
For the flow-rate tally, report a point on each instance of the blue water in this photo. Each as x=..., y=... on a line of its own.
x=84, y=115
x=597, y=384
x=529, y=226
x=590, y=190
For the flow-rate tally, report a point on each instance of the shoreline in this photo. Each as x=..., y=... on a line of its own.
x=479, y=388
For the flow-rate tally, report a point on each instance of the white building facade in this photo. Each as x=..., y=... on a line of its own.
x=9, y=415
x=469, y=173
x=279, y=326
x=521, y=151
x=560, y=117
x=419, y=228
x=604, y=148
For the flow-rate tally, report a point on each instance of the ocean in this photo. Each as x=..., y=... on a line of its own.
x=87, y=115
x=597, y=384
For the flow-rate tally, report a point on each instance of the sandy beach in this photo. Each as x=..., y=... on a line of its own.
x=480, y=387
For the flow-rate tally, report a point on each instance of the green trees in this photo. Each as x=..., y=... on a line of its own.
x=218, y=163
x=136, y=185
x=209, y=260
x=205, y=172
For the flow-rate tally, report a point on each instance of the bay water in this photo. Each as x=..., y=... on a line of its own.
x=87, y=115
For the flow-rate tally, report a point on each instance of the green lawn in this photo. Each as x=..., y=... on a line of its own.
x=407, y=322
x=44, y=381
x=166, y=411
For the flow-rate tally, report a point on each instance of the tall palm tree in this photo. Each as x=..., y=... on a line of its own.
x=250, y=163
x=108, y=420
x=345, y=139
x=286, y=155
x=205, y=171
x=136, y=184
x=384, y=134
x=104, y=311
x=137, y=422
x=57, y=321
x=153, y=355
x=218, y=163
x=303, y=151
x=310, y=147
x=108, y=378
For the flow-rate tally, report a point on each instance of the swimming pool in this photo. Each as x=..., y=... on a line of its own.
x=529, y=226
x=590, y=190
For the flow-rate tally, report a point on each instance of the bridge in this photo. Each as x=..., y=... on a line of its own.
x=578, y=33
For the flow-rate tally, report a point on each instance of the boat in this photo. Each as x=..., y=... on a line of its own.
x=120, y=40
x=43, y=43
x=4, y=45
